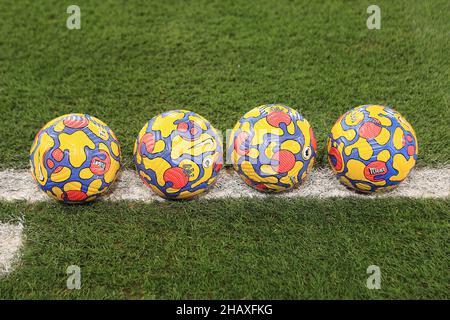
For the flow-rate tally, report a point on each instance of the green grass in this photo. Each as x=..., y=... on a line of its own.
x=233, y=249
x=221, y=58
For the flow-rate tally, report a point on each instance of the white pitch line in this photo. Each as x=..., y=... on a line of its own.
x=10, y=244
x=320, y=183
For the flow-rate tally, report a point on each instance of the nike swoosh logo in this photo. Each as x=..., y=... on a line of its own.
x=205, y=142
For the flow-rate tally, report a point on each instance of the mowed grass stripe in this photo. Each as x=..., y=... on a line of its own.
x=234, y=249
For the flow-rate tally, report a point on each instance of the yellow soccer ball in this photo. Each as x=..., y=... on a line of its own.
x=272, y=148
x=178, y=154
x=372, y=148
x=75, y=158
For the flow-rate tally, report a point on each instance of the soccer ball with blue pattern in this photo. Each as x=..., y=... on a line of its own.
x=75, y=158
x=178, y=154
x=372, y=148
x=272, y=148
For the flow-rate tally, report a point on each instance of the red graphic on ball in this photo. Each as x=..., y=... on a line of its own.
x=275, y=118
x=370, y=130
x=58, y=169
x=241, y=141
x=189, y=129
x=76, y=122
x=57, y=154
x=193, y=131
x=261, y=187
x=218, y=167
x=100, y=163
x=335, y=159
x=75, y=195
x=183, y=127
x=148, y=140
x=313, y=139
x=374, y=170
x=177, y=177
x=283, y=161
x=50, y=163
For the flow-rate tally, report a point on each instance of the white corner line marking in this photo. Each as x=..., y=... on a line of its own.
x=10, y=244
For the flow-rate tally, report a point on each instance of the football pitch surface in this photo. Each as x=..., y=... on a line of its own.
x=130, y=62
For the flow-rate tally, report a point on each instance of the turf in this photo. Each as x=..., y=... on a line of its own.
x=133, y=60
x=221, y=58
x=233, y=249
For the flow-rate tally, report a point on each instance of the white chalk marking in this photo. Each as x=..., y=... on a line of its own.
x=10, y=244
x=320, y=183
